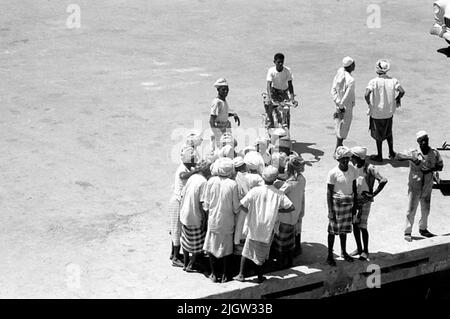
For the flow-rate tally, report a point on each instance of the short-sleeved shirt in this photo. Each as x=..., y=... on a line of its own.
x=179, y=183
x=221, y=200
x=263, y=203
x=366, y=178
x=343, y=89
x=383, y=89
x=418, y=181
x=190, y=209
x=295, y=191
x=342, y=181
x=279, y=79
x=220, y=109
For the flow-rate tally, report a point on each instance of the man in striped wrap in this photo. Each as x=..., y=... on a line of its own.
x=262, y=203
x=341, y=196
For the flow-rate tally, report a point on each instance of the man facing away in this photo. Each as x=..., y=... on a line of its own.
x=380, y=96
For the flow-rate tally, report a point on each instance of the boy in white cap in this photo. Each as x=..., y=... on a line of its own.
x=341, y=196
x=382, y=102
x=366, y=176
x=221, y=204
x=279, y=83
x=343, y=93
x=220, y=112
x=424, y=161
x=262, y=203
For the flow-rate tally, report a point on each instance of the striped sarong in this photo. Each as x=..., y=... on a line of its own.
x=284, y=241
x=192, y=239
x=256, y=251
x=217, y=244
x=342, y=208
x=362, y=215
x=174, y=218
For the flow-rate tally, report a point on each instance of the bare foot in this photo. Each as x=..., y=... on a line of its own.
x=239, y=278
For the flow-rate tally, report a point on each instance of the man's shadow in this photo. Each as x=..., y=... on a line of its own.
x=445, y=51
x=301, y=148
x=393, y=162
x=443, y=186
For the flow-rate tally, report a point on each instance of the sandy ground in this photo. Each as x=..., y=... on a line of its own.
x=90, y=118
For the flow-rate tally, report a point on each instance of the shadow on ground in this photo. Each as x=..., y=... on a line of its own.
x=303, y=147
x=444, y=187
x=445, y=51
x=394, y=163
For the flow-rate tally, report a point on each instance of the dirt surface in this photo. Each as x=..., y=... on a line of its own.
x=90, y=118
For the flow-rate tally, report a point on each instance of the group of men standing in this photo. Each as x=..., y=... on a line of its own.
x=383, y=96
x=225, y=187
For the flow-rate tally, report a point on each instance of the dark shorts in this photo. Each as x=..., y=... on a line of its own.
x=380, y=129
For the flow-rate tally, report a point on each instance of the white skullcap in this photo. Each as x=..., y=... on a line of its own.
x=221, y=82
x=347, y=61
x=421, y=134
x=238, y=161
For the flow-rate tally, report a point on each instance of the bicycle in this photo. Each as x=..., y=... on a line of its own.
x=281, y=112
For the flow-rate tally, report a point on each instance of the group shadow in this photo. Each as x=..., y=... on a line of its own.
x=303, y=147
x=444, y=51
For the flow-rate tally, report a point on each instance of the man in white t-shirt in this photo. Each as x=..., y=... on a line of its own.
x=279, y=83
x=220, y=112
x=380, y=96
x=341, y=196
x=262, y=204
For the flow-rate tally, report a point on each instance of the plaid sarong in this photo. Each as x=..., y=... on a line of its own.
x=174, y=217
x=342, y=208
x=284, y=241
x=362, y=215
x=192, y=239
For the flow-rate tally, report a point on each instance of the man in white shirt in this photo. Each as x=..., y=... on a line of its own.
x=262, y=203
x=343, y=93
x=220, y=112
x=341, y=196
x=380, y=96
x=279, y=83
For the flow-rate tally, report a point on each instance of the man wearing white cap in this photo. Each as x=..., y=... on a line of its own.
x=424, y=161
x=220, y=112
x=382, y=102
x=365, y=181
x=343, y=93
x=221, y=203
x=262, y=204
